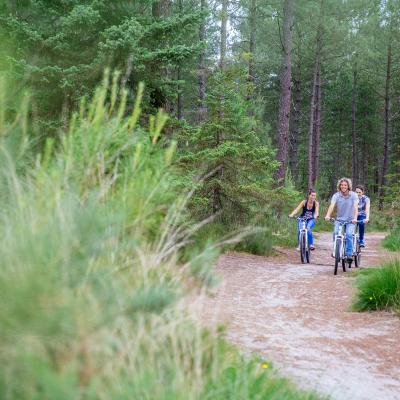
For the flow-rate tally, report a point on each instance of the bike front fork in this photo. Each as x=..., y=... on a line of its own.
x=303, y=231
x=355, y=243
x=335, y=244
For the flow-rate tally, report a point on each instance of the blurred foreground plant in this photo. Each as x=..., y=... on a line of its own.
x=91, y=291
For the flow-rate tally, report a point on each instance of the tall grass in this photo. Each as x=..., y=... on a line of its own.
x=379, y=289
x=392, y=241
x=92, y=296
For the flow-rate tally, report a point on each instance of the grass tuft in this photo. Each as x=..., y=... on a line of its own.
x=379, y=288
x=392, y=241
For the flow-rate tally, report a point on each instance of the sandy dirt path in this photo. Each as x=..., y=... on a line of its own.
x=298, y=316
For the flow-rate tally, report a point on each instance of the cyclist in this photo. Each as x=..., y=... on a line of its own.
x=363, y=212
x=310, y=211
x=346, y=203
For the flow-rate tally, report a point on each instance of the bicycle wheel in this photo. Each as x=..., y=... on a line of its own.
x=308, y=254
x=344, y=262
x=303, y=247
x=338, y=249
x=357, y=257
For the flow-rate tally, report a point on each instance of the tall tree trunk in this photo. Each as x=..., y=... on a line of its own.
x=285, y=90
x=311, y=140
x=295, y=128
x=364, y=161
x=377, y=177
x=201, y=111
x=179, y=102
x=224, y=22
x=161, y=9
x=295, y=125
x=387, y=126
x=217, y=203
x=353, y=129
x=315, y=121
x=335, y=172
x=156, y=9
x=317, y=124
x=252, y=46
x=315, y=109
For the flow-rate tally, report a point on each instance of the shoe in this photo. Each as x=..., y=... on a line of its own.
x=362, y=244
x=312, y=247
x=298, y=248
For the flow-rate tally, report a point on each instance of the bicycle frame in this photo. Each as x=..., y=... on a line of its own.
x=356, y=246
x=303, y=243
x=356, y=240
x=340, y=236
x=303, y=228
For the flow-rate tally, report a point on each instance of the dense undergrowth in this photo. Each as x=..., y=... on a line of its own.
x=96, y=258
x=392, y=241
x=379, y=288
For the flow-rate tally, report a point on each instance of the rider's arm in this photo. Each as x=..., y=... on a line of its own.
x=355, y=211
x=316, y=214
x=367, y=211
x=297, y=209
x=330, y=210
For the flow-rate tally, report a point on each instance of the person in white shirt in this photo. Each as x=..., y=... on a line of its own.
x=346, y=203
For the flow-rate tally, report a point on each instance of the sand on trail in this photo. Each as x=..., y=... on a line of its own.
x=298, y=316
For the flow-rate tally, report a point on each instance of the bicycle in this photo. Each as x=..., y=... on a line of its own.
x=357, y=247
x=339, y=247
x=305, y=251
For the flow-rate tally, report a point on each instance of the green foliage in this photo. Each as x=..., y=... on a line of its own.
x=227, y=150
x=251, y=378
x=379, y=289
x=259, y=243
x=62, y=49
x=237, y=169
x=392, y=199
x=90, y=284
x=392, y=241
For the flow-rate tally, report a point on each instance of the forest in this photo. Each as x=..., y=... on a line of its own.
x=139, y=139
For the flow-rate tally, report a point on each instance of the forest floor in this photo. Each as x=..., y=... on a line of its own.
x=298, y=316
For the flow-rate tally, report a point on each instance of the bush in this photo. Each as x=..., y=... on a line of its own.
x=379, y=289
x=90, y=285
x=259, y=243
x=392, y=241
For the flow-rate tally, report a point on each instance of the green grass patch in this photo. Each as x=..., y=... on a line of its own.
x=378, y=288
x=96, y=257
x=259, y=243
x=392, y=241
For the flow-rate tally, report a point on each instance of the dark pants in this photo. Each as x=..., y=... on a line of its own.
x=361, y=227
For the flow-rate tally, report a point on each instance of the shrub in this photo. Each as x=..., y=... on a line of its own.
x=379, y=289
x=392, y=241
x=90, y=284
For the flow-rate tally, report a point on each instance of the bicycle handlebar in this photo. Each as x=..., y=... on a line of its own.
x=333, y=220
x=299, y=218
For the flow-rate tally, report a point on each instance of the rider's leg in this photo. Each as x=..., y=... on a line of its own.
x=361, y=228
x=310, y=226
x=350, y=228
x=299, y=225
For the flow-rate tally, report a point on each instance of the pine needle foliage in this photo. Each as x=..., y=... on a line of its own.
x=62, y=48
x=91, y=294
x=228, y=150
